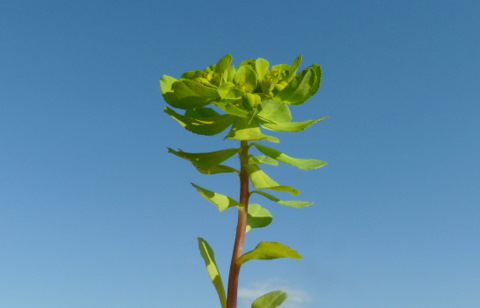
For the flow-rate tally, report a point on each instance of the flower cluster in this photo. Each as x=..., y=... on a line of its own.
x=251, y=96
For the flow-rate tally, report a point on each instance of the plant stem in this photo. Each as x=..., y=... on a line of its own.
x=241, y=228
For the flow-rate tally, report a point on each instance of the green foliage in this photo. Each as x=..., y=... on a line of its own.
x=209, y=257
x=289, y=127
x=260, y=159
x=302, y=87
x=261, y=180
x=245, y=100
x=251, y=92
x=258, y=217
x=245, y=130
x=270, y=300
x=268, y=251
x=291, y=203
x=304, y=164
x=202, y=125
x=222, y=202
x=208, y=163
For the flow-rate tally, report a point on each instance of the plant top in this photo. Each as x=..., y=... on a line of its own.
x=251, y=95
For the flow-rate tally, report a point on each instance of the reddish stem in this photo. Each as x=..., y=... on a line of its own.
x=241, y=228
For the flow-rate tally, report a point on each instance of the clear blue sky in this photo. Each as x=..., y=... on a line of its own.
x=95, y=213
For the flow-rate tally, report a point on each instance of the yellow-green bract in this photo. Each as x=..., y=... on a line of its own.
x=251, y=96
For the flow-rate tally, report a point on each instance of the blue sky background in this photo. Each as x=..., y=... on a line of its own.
x=95, y=213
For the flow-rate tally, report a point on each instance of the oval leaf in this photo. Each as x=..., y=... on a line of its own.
x=318, y=72
x=258, y=217
x=246, y=78
x=275, y=111
x=304, y=164
x=223, y=64
x=235, y=94
x=166, y=83
x=208, y=126
x=192, y=94
x=291, y=203
x=261, y=180
x=208, y=163
x=260, y=159
x=261, y=66
x=224, y=89
x=231, y=109
x=268, y=251
x=293, y=70
x=209, y=257
x=302, y=87
x=289, y=127
x=221, y=201
x=243, y=130
x=270, y=300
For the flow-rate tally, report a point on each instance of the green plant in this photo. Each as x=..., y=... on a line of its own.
x=246, y=99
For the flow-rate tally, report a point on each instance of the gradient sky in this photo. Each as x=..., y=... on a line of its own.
x=95, y=213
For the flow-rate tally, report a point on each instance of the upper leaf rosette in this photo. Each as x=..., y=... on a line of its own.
x=251, y=96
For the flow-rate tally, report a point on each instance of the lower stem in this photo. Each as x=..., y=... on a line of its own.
x=241, y=228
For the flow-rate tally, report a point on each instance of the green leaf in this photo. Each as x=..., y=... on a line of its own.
x=258, y=217
x=260, y=159
x=280, y=68
x=292, y=203
x=280, y=86
x=201, y=112
x=304, y=164
x=243, y=130
x=268, y=251
x=208, y=126
x=275, y=111
x=261, y=66
x=231, y=109
x=193, y=94
x=194, y=75
x=247, y=62
x=235, y=94
x=223, y=64
x=291, y=127
x=166, y=83
x=253, y=100
x=318, y=73
x=208, y=163
x=224, y=89
x=293, y=69
x=221, y=201
x=230, y=74
x=209, y=68
x=254, y=112
x=261, y=180
x=209, y=257
x=245, y=78
x=270, y=300
x=302, y=87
